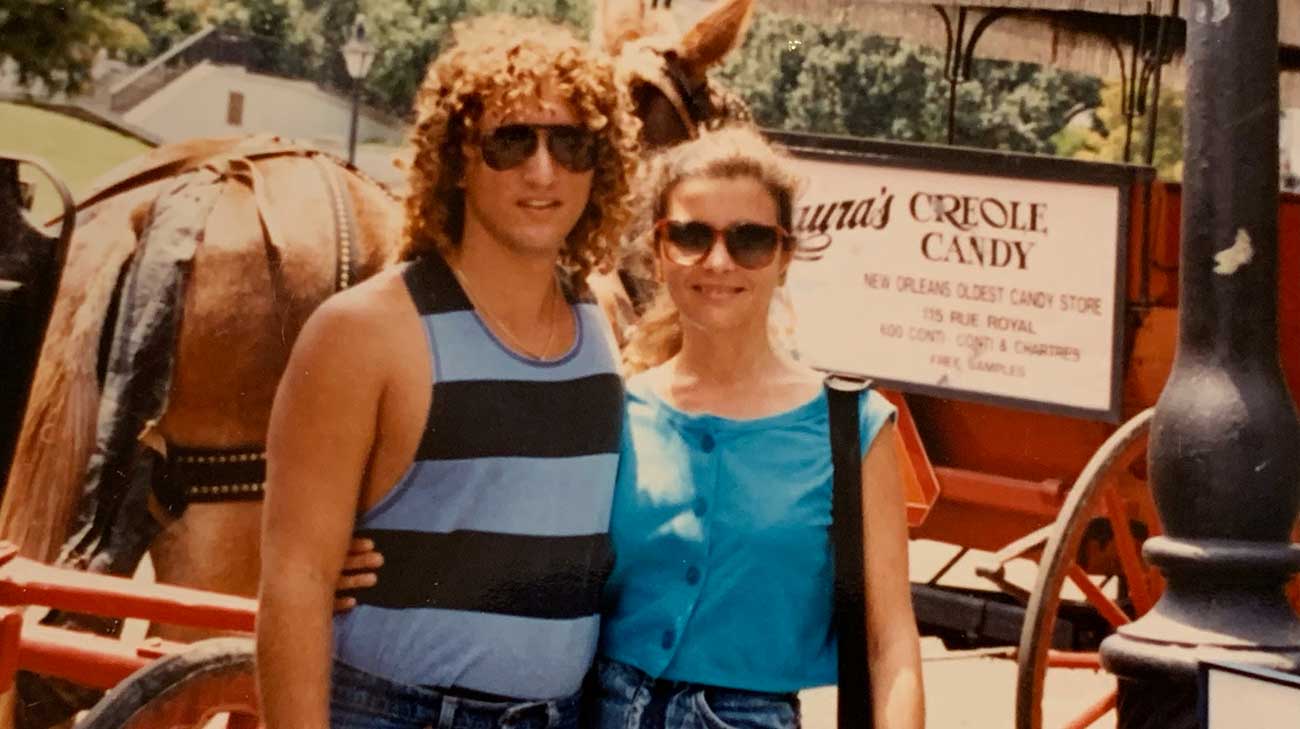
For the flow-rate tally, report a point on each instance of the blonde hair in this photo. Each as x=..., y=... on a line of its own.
x=508, y=60
x=726, y=153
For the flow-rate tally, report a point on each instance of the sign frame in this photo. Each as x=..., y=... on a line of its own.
x=1025, y=167
x=1255, y=673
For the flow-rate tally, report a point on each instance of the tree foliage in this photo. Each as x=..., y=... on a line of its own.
x=804, y=76
x=166, y=22
x=1105, y=141
x=795, y=74
x=57, y=42
x=408, y=34
x=303, y=38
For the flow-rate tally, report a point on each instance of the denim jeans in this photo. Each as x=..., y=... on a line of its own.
x=623, y=697
x=359, y=700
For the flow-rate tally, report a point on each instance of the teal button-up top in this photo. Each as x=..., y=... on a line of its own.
x=723, y=568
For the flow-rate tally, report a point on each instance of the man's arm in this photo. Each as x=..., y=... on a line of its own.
x=321, y=432
x=893, y=643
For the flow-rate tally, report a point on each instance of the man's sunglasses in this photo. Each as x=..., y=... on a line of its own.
x=570, y=145
x=750, y=245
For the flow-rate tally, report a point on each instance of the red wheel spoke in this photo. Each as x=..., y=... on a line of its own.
x=1073, y=659
x=1106, y=606
x=1111, y=485
x=1094, y=712
x=1126, y=548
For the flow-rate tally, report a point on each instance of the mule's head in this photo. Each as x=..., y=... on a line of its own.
x=666, y=68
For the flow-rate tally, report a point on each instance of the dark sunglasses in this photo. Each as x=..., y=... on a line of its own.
x=570, y=145
x=750, y=245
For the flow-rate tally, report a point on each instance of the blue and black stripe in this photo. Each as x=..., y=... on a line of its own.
x=495, y=541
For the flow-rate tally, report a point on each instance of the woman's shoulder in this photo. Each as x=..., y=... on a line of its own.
x=642, y=383
x=875, y=411
x=641, y=395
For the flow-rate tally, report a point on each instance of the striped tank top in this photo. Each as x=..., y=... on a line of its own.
x=495, y=540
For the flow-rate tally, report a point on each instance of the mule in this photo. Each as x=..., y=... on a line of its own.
x=259, y=268
x=666, y=71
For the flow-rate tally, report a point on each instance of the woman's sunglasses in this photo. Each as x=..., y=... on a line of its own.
x=750, y=245
x=508, y=146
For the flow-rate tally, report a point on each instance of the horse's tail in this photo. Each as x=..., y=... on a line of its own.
x=58, y=431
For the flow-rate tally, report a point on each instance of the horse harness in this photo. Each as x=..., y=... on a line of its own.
x=197, y=475
x=698, y=105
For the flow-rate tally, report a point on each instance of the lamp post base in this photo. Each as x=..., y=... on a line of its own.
x=1224, y=602
x=1150, y=662
x=1157, y=704
x=1161, y=689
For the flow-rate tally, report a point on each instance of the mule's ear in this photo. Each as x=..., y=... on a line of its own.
x=715, y=35
x=617, y=22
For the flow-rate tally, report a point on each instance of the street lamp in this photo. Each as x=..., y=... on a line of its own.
x=1225, y=437
x=358, y=54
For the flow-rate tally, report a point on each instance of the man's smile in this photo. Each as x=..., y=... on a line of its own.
x=539, y=203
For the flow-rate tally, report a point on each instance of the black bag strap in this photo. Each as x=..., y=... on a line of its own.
x=853, y=705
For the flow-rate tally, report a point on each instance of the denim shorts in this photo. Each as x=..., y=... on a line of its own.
x=359, y=700
x=624, y=697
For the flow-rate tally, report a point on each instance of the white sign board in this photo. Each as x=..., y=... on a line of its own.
x=974, y=284
x=1235, y=696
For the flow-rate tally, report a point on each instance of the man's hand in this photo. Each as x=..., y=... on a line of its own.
x=358, y=572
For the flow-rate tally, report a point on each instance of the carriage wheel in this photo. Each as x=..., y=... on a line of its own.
x=1095, y=543
x=212, y=680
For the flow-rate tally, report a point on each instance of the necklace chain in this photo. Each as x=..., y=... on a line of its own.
x=514, y=340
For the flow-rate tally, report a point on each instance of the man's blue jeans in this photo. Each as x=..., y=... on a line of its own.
x=359, y=700
x=623, y=697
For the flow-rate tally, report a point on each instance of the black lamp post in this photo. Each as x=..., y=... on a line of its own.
x=358, y=54
x=1225, y=441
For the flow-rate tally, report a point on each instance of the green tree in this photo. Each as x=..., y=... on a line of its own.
x=166, y=22
x=803, y=76
x=57, y=42
x=303, y=38
x=407, y=34
x=1105, y=141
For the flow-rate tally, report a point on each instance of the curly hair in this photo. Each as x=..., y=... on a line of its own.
x=508, y=59
x=724, y=153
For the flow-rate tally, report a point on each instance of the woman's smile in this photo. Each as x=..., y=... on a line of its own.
x=722, y=292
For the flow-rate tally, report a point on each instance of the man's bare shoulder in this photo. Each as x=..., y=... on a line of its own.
x=356, y=334
x=381, y=295
x=366, y=313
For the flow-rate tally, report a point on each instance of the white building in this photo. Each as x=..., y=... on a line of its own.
x=217, y=100
x=211, y=100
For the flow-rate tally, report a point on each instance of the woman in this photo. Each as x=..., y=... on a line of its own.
x=719, y=606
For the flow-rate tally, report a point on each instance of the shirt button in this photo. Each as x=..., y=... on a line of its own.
x=693, y=575
x=706, y=443
x=670, y=635
x=701, y=507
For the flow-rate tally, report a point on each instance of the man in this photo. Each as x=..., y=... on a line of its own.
x=487, y=491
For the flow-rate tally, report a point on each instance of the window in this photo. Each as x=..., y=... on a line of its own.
x=235, y=109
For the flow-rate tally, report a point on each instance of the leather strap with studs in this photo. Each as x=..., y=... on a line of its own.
x=207, y=475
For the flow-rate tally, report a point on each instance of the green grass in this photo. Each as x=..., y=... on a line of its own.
x=76, y=151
